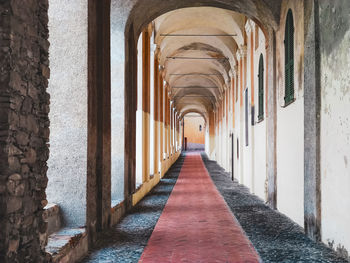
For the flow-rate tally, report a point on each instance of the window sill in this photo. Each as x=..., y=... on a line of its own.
x=260, y=120
x=68, y=244
x=288, y=103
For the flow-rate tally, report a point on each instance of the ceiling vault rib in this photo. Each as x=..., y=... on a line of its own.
x=218, y=58
x=195, y=87
x=193, y=96
x=196, y=74
x=198, y=35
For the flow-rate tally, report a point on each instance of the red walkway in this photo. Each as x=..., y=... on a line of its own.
x=196, y=224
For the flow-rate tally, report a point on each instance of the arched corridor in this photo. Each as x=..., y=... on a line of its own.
x=170, y=131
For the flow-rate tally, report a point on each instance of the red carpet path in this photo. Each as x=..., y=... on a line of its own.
x=196, y=224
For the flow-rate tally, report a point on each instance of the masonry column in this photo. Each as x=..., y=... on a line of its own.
x=146, y=104
x=271, y=119
x=211, y=133
x=161, y=119
x=166, y=125
x=156, y=112
x=24, y=129
x=312, y=121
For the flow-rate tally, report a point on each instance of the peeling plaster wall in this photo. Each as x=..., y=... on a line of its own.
x=335, y=123
x=68, y=109
x=290, y=120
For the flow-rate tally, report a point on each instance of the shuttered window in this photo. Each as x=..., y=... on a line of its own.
x=289, y=58
x=261, y=88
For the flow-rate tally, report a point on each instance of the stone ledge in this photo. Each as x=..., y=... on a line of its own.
x=52, y=216
x=68, y=245
x=117, y=211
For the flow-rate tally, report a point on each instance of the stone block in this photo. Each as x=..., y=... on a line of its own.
x=14, y=204
x=22, y=138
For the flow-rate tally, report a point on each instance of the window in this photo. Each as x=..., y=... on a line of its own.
x=289, y=59
x=200, y=128
x=261, y=88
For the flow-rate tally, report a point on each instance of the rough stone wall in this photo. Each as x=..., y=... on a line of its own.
x=24, y=129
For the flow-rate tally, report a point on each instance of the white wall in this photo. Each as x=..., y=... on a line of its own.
x=290, y=121
x=335, y=128
x=68, y=88
x=117, y=101
x=260, y=127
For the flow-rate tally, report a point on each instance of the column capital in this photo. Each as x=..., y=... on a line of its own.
x=243, y=51
x=248, y=26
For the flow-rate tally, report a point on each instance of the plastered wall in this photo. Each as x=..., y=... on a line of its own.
x=192, y=132
x=335, y=123
x=290, y=120
x=68, y=108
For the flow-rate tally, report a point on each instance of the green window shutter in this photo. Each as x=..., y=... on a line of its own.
x=289, y=58
x=261, y=88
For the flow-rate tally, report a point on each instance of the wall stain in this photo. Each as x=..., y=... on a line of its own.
x=346, y=160
x=335, y=22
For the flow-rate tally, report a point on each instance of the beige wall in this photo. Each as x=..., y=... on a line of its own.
x=192, y=132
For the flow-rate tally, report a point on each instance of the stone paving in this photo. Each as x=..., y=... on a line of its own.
x=125, y=242
x=196, y=225
x=274, y=236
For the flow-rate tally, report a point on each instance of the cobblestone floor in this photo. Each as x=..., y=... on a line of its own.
x=274, y=236
x=126, y=241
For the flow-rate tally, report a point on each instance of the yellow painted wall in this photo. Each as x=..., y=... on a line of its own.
x=192, y=129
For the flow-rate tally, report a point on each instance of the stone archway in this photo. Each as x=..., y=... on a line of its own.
x=138, y=16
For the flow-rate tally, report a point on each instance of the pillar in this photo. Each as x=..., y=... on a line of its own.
x=156, y=113
x=312, y=102
x=161, y=120
x=146, y=104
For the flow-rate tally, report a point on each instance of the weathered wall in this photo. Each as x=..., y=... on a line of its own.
x=192, y=132
x=24, y=130
x=290, y=120
x=68, y=109
x=334, y=18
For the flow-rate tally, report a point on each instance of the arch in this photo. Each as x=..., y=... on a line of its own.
x=143, y=12
x=140, y=15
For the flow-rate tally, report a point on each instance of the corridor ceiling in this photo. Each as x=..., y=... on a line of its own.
x=198, y=53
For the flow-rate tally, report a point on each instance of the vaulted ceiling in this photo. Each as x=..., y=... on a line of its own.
x=198, y=48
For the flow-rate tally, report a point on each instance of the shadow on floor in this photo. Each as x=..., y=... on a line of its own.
x=126, y=241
